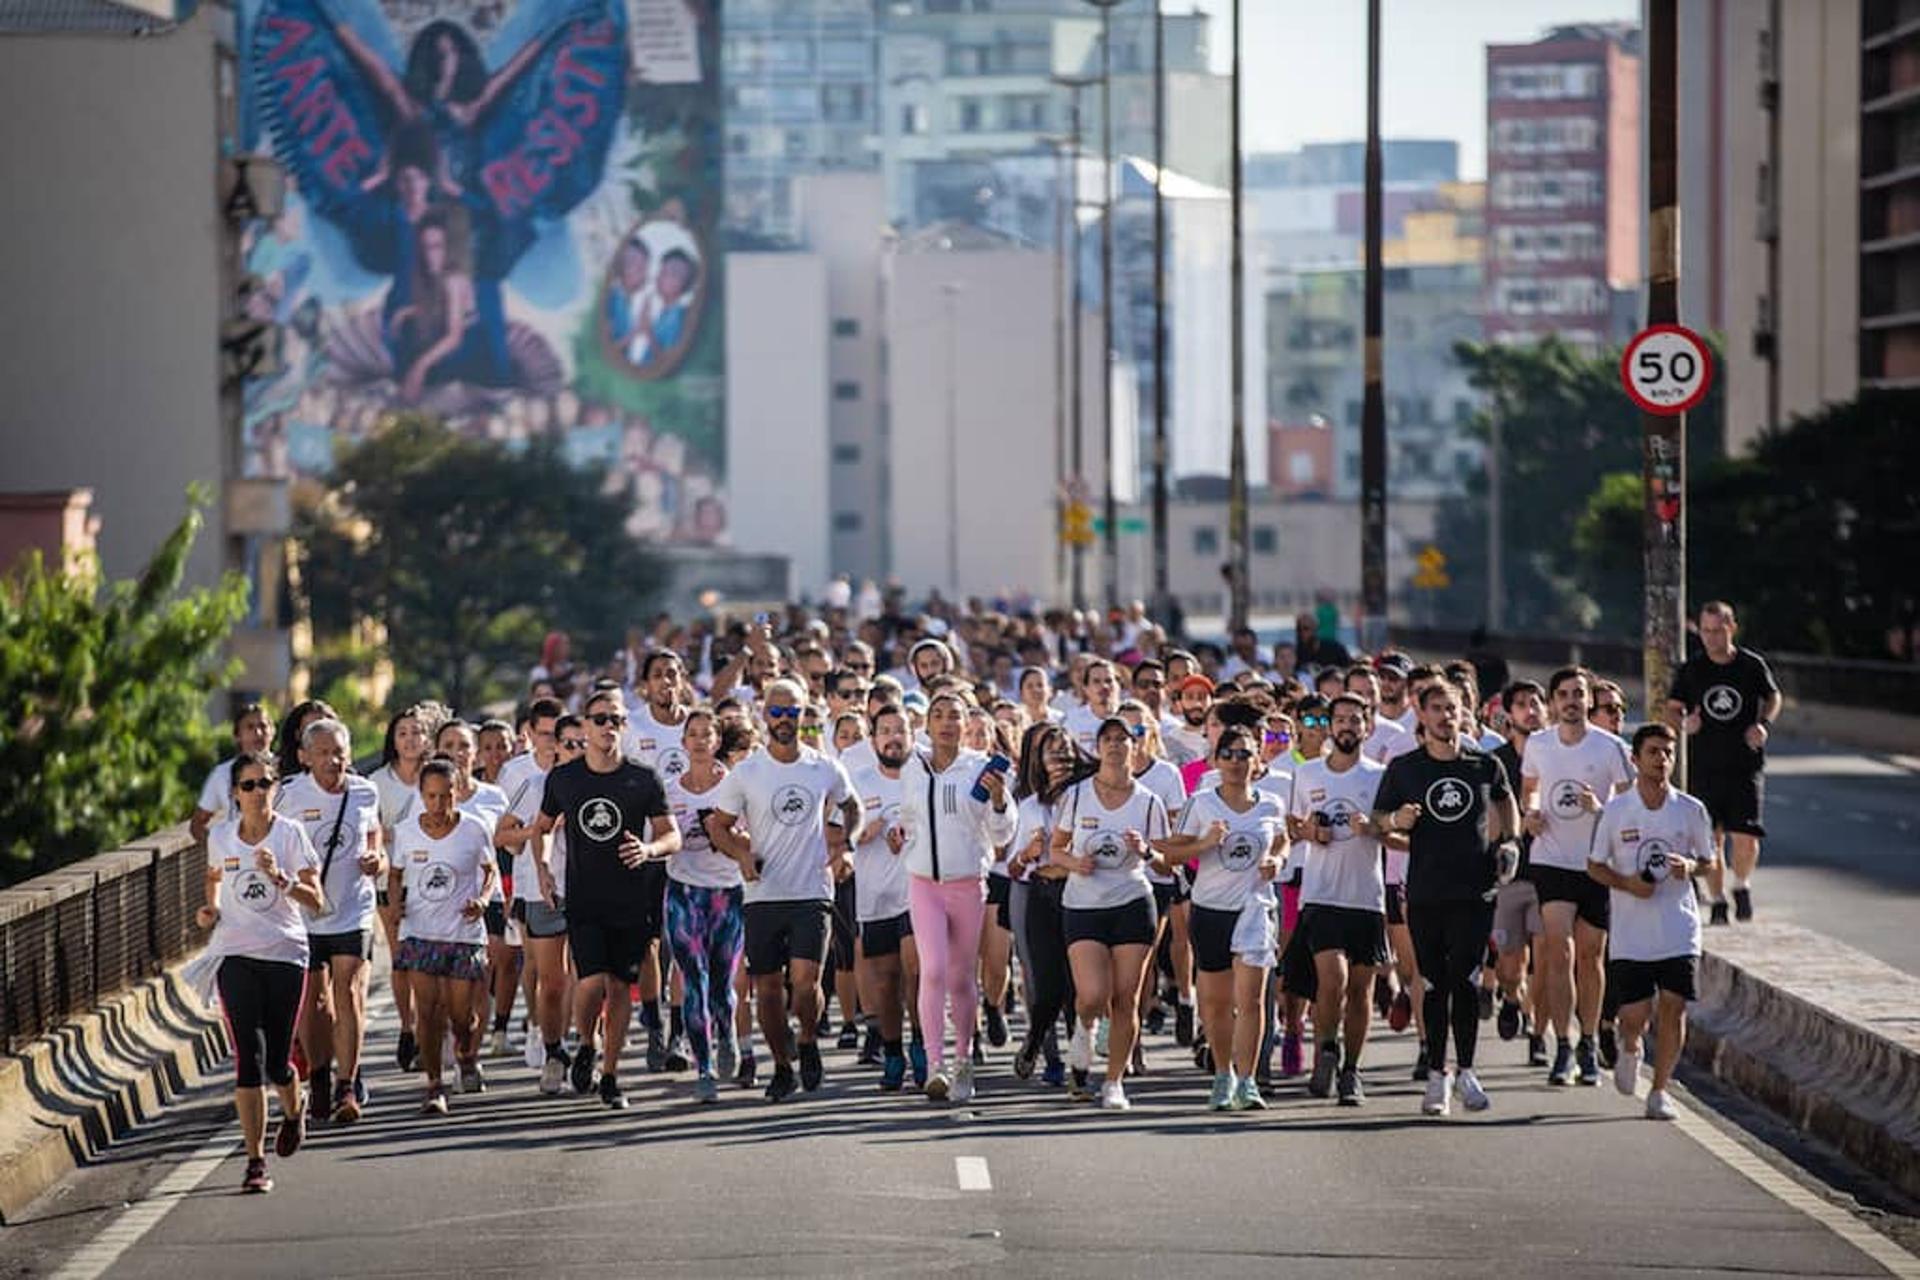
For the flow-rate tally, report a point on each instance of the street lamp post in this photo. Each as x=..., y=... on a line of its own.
x=1239, y=559
x=1373, y=408
x=950, y=295
x=1063, y=210
x=1077, y=554
x=1110, y=538
x=1162, y=593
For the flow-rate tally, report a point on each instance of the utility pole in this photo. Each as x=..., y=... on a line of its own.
x=1239, y=558
x=1063, y=210
x=1373, y=407
x=1076, y=485
x=1769, y=336
x=1663, y=456
x=1110, y=540
x=1496, y=527
x=1162, y=594
x=950, y=292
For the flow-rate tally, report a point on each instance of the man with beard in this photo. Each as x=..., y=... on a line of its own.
x=1517, y=925
x=653, y=734
x=1193, y=695
x=1395, y=705
x=887, y=964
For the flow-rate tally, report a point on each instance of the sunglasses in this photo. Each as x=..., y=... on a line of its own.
x=1279, y=737
x=1137, y=731
x=1149, y=684
x=862, y=667
x=810, y=730
x=850, y=692
x=783, y=713
x=1234, y=753
x=1608, y=709
x=605, y=718
x=1315, y=722
x=254, y=784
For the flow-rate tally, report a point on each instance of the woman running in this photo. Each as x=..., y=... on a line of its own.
x=459, y=744
x=409, y=739
x=1152, y=770
x=1048, y=766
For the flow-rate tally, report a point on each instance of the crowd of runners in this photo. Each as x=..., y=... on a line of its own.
x=891, y=833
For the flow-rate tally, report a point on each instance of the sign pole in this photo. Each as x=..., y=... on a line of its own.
x=1663, y=437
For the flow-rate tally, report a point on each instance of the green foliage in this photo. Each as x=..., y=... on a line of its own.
x=1566, y=424
x=103, y=697
x=468, y=554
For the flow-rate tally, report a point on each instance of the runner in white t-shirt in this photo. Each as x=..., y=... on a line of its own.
x=408, y=743
x=655, y=722
x=889, y=961
x=542, y=925
x=252, y=731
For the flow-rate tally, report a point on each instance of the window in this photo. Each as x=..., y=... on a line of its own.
x=1206, y=541
x=846, y=391
x=846, y=453
x=1299, y=467
x=913, y=118
x=843, y=102
x=1265, y=540
x=846, y=522
x=846, y=328
x=971, y=116
x=1024, y=111
x=1545, y=81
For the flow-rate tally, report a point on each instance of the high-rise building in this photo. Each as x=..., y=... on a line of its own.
x=1889, y=141
x=1564, y=204
x=1305, y=208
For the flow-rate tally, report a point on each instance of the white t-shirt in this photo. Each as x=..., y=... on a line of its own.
x=1277, y=782
x=1191, y=742
x=397, y=798
x=1031, y=818
x=784, y=806
x=487, y=804
x=1163, y=779
x=256, y=918
x=1082, y=724
x=1227, y=876
x=1600, y=761
x=1631, y=838
x=216, y=793
x=879, y=874
x=1347, y=872
x=350, y=892
x=1409, y=716
x=1386, y=741
x=441, y=876
x=1119, y=874
x=524, y=783
x=655, y=745
x=859, y=756
x=698, y=863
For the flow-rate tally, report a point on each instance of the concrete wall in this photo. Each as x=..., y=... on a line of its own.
x=777, y=451
x=109, y=280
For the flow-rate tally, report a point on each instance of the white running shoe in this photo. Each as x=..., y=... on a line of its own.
x=1626, y=1071
x=1113, y=1097
x=1080, y=1048
x=553, y=1076
x=939, y=1087
x=1472, y=1096
x=1660, y=1106
x=1438, y=1101
x=497, y=1046
x=963, y=1083
x=534, y=1054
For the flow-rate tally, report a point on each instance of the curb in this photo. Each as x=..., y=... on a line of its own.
x=66, y=1096
x=1824, y=1036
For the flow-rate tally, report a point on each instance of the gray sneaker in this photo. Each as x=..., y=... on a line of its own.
x=472, y=1078
x=1325, y=1065
x=706, y=1090
x=726, y=1057
x=1352, y=1092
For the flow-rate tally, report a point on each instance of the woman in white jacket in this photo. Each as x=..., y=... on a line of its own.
x=948, y=836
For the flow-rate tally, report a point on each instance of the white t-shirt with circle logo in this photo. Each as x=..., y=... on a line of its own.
x=656, y=745
x=1631, y=838
x=441, y=876
x=349, y=890
x=784, y=807
x=1227, y=876
x=1349, y=871
x=1119, y=875
x=257, y=918
x=1598, y=760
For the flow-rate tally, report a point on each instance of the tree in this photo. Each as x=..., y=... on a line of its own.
x=466, y=553
x=103, y=696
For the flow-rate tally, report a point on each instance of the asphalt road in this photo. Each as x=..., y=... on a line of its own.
x=1568, y=1182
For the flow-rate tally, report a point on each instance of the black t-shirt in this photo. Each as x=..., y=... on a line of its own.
x=1509, y=757
x=1448, y=859
x=1729, y=698
x=598, y=808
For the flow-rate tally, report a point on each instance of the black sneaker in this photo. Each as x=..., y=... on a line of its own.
x=1025, y=1059
x=656, y=1051
x=1352, y=1093
x=1588, y=1062
x=812, y=1070
x=1486, y=1003
x=1156, y=1021
x=979, y=1052
x=582, y=1069
x=610, y=1096
x=849, y=1036
x=1183, y=1025
x=1562, y=1073
x=1325, y=1065
x=1742, y=904
x=996, y=1026
x=1509, y=1023
x=1536, y=1051
x=320, y=1091
x=749, y=1070
x=1609, y=1046
x=1420, y=1069
x=870, y=1048
x=1718, y=914
x=783, y=1085
x=406, y=1054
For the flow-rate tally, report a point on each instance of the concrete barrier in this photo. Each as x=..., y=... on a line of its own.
x=1821, y=1034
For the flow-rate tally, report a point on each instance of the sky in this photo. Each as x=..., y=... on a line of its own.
x=1304, y=65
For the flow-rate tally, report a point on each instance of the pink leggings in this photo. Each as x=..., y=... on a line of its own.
x=947, y=915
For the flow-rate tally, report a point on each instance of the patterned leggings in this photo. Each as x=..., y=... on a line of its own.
x=707, y=930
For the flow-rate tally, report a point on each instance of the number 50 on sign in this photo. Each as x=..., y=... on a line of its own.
x=1666, y=369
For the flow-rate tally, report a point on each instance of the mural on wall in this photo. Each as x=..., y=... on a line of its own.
x=502, y=215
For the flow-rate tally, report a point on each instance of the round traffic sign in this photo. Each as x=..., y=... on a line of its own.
x=1666, y=369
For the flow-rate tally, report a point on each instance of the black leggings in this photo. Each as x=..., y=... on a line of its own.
x=1047, y=950
x=262, y=1000
x=1450, y=944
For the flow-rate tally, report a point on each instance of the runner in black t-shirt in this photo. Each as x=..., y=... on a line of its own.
x=1454, y=803
x=617, y=822
x=1725, y=700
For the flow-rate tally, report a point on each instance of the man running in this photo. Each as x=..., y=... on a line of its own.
x=1725, y=701
x=887, y=961
x=1517, y=924
x=653, y=738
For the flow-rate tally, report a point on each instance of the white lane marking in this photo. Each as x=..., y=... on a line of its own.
x=1910, y=763
x=1897, y=1261
x=972, y=1172
x=108, y=1246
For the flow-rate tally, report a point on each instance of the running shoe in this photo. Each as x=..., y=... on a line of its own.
x=1221, y=1099
x=1137, y=1065
x=1536, y=1051
x=361, y=1094
x=1472, y=1096
x=849, y=1036
x=1100, y=1036
x=726, y=1056
x=656, y=1051
x=1024, y=1060
x=783, y=1085
x=1421, y=1071
x=257, y=1182
x=1183, y=1024
x=1246, y=1097
x=553, y=1076
x=869, y=1048
x=582, y=1070
x=1588, y=1062
x=292, y=1132
x=1326, y=1064
x=1352, y=1093
x=497, y=1047
x=532, y=1051
x=1400, y=1012
x=1609, y=1046
x=1743, y=904
x=610, y=1095
x=1155, y=1023
x=1509, y=1023
x=1437, y=1101
x=1626, y=1072
x=1562, y=1073
x=1660, y=1106
x=1080, y=1090
x=706, y=1090
x=1203, y=1059
x=345, y=1107
x=406, y=1054
x=938, y=1086
x=996, y=1026
x=1718, y=914
x=978, y=1054
x=1113, y=1097
x=472, y=1078
x=1485, y=997
x=677, y=1059
x=1080, y=1048
x=749, y=1072
x=1291, y=1063
x=917, y=1058
x=893, y=1073
x=963, y=1082
x=812, y=1070
x=1054, y=1073
x=436, y=1103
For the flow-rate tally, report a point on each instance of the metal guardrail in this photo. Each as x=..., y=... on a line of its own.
x=1846, y=682
x=84, y=933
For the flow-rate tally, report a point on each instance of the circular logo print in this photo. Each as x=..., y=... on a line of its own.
x=1240, y=850
x=1722, y=702
x=792, y=805
x=1107, y=848
x=1565, y=800
x=599, y=818
x=670, y=763
x=254, y=891
x=1653, y=855
x=1341, y=811
x=436, y=885
x=1449, y=800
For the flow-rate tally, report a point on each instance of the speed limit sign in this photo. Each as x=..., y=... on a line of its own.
x=1666, y=369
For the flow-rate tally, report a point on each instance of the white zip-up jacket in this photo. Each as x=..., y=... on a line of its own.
x=950, y=835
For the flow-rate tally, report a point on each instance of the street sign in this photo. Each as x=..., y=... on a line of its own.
x=1666, y=369
x=1078, y=525
x=1431, y=571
